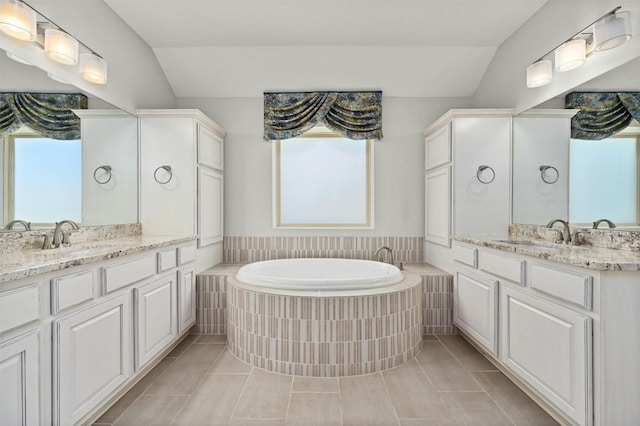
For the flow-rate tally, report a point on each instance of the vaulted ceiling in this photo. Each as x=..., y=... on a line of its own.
x=407, y=48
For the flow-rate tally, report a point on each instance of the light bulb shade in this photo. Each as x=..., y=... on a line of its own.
x=93, y=68
x=18, y=21
x=60, y=47
x=571, y=55
x=539, y=74
x=612, y=31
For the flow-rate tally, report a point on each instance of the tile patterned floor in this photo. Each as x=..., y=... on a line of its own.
x=201, y=383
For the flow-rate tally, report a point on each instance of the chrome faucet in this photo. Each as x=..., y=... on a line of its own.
x=27, y=225
x=60, y=236
x=607, y=221
x=379, y=256
x=566, y=233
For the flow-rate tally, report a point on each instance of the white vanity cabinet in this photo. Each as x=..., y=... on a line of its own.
x=565, y=333
x=467, y=169
x=91, y=357
x=182, y=178
x=549, y=347
x=74, y=340
x=19, y=380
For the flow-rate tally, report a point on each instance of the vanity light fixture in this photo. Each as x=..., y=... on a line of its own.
x=58, y=45
x=17, y=58
x=539, y=73
x=93, y=68
x=609, y=31
x=612, y=31
x=571, y=55
x=18, y=20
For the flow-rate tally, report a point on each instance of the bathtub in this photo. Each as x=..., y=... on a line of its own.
x=324, y=317
x=320, y=274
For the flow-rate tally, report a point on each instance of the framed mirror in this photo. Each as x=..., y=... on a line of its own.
x=100, y=170
x=586, y=180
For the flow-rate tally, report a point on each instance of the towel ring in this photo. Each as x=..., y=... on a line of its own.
x=168, y=170
x=107, y=172
x=483, y=168
x=543, y=169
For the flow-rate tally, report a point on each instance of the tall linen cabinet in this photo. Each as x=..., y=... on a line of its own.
x=467, y=179
x=182, y=179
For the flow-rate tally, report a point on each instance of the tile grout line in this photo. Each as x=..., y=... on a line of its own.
x=286, y=413
x=244, y=387
x=340, y=403
x=386, y=388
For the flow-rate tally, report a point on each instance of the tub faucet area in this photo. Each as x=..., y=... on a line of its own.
x=380, y=256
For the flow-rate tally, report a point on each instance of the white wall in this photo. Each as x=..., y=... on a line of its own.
x=504, y=83
x=399, y=165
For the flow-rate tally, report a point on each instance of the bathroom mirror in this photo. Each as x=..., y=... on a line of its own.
x=554, y=177
x=94, y=180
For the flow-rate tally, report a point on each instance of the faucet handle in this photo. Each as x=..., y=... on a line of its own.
x=65, y=238
x=46, y=244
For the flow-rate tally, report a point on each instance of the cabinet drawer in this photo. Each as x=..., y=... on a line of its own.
x=124, y=274
x=438, y=148
x=466, y=255
x=568, y=286
x=71, y=290
x=505, y=267
x=209, y=148
x=19, y=307
x=186, y=254
x=166, y=260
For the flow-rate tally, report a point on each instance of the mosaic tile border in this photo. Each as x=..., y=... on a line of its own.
x=325, y=336
x=252, y=249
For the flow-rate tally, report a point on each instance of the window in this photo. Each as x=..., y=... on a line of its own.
x=322, y=180
x=604, y=180
x=43, y=179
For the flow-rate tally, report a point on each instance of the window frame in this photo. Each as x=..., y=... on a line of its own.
x=321, y=132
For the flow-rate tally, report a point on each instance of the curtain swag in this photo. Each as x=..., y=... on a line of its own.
x=48, y=114
x=602, y=114
x=355, y=115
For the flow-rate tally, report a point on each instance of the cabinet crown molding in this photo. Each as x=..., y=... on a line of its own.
x=471, y=112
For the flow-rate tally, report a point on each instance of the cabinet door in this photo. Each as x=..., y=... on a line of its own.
x=186, y=299
x=481, y=209
x=19, y=401
x=475, y=310
x=437, y=148
x=210, y=146
x=91, y=357
x=210, y=207
x=167, y=199
x=155, y=313
x=437, y=207
x=548, y=346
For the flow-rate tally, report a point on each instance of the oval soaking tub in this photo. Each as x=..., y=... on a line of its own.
x=324, y=317
x=320, y=274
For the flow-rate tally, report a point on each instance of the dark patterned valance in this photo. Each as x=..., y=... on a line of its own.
x=48, y=114
x=602, y=114
x=355, y=115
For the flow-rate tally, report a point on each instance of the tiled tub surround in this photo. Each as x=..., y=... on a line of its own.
x=437, y=298
x=338, y=333
x=585, y=256
x=253, y=249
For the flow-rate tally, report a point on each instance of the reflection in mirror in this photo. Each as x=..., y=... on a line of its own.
x=542, y=137
x=108, y=137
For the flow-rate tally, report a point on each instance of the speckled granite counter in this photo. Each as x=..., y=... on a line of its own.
x=598, y=258
x=27, y=263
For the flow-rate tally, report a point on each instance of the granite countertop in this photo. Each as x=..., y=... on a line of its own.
x=27, y=263
x=597, y=258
